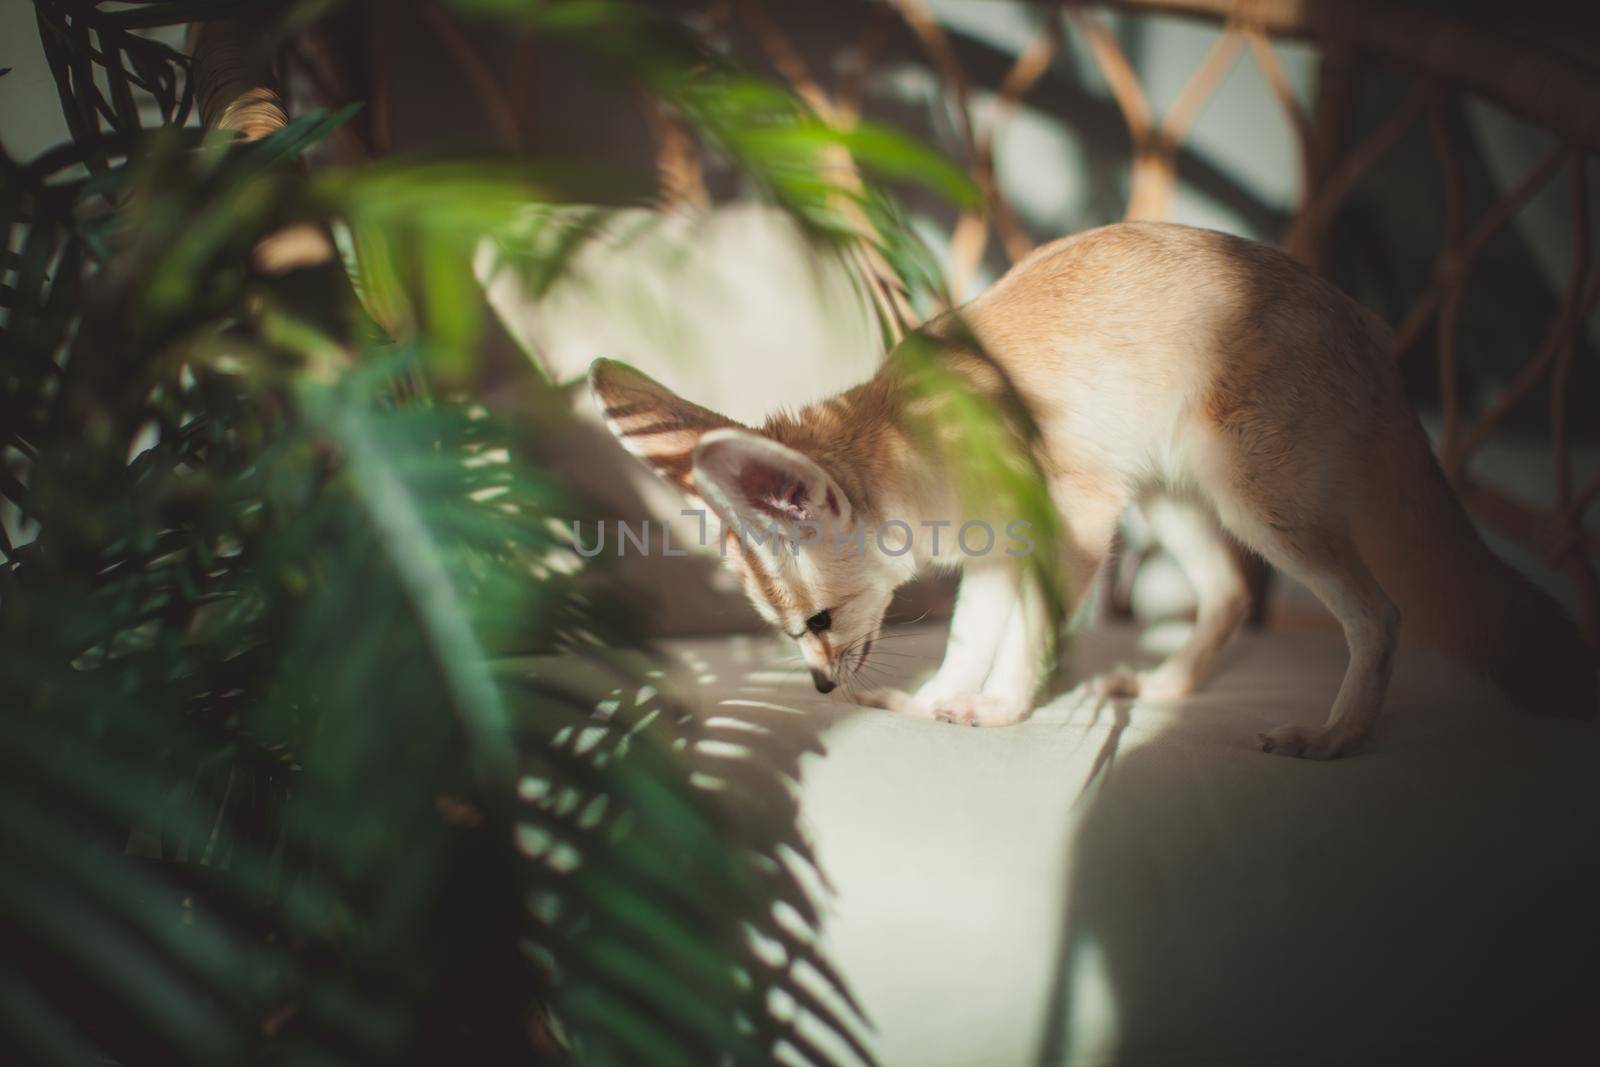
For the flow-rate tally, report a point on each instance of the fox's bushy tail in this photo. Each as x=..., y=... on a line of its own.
x=1457, y=595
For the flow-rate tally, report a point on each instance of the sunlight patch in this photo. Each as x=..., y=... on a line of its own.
x=1091, y=1008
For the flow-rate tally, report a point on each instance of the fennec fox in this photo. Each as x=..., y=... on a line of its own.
x=1213, y=380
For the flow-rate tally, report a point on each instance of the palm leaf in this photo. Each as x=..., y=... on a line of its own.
x=276, y=748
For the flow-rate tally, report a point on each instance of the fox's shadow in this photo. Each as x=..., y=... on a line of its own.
x=1429, y=901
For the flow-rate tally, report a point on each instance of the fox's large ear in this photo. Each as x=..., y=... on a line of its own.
x=746, y=475
x=652, y=421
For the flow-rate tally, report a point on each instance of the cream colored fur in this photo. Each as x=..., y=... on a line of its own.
x=1212, y=379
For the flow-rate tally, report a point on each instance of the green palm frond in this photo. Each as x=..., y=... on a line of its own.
x=769, y=134
x=281, y=778
x=322, y=742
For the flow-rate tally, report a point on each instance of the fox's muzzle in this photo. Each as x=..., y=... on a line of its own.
x=823, y=683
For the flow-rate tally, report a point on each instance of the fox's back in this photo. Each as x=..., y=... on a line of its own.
x=1124, y=336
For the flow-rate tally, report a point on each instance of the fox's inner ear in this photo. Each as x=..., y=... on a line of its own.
x=652, y=421
x=744, y=474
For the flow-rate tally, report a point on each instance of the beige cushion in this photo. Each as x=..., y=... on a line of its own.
x=1141, y=885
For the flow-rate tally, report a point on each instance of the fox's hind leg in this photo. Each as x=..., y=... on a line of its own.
x=1318, y=550
x=1335, y=573
x=1193, y=536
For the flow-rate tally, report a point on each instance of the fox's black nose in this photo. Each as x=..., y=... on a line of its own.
x=822, y=682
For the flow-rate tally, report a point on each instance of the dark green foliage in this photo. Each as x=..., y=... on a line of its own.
x=317, y=745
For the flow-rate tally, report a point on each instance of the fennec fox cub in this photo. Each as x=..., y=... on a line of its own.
x=1214, y=381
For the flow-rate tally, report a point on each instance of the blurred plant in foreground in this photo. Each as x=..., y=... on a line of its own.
x=280, y=781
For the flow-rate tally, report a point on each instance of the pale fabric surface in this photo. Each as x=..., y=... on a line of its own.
x=1140, y=885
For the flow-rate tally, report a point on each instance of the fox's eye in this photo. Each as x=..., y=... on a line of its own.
x=819, y=622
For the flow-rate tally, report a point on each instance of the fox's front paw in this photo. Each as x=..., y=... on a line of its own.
x=963, y=709
x=1310, y=742
x=897, y=701
x=975, y=709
